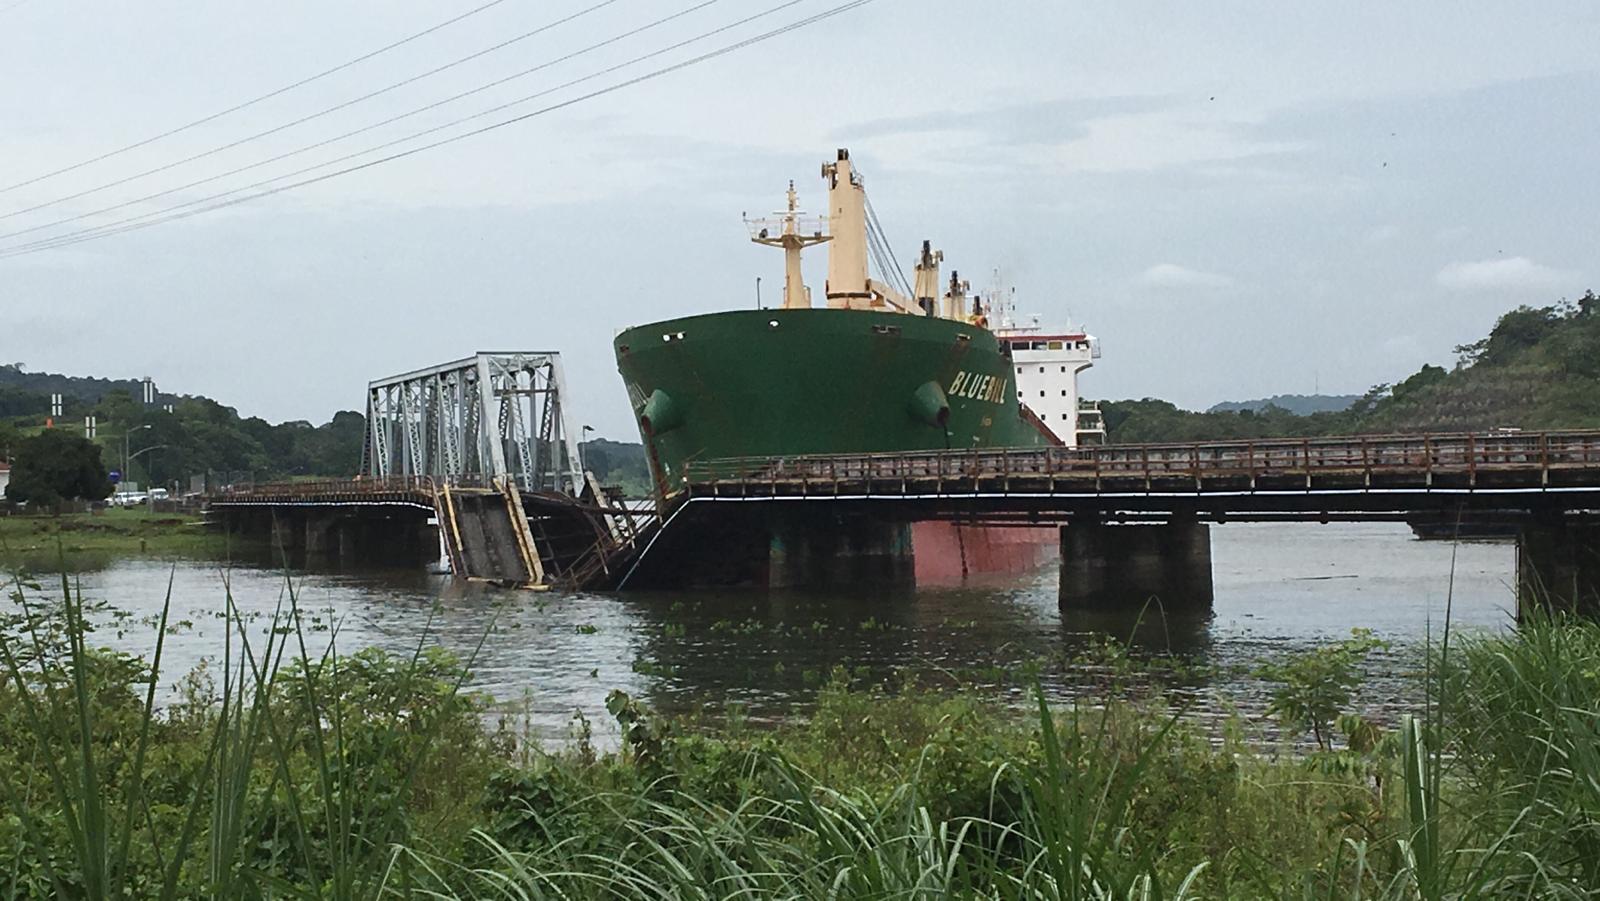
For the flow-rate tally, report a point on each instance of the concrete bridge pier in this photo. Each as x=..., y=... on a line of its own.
x=1124, y=566
x=826, y=550
x=1558, y=567
x=288, y=533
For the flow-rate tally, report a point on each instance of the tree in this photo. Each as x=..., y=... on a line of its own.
x=1315, y=686
x=10, y=437
x=53, y=466
x=1425, y=378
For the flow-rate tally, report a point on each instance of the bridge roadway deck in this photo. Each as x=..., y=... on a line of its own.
x=1502, y=473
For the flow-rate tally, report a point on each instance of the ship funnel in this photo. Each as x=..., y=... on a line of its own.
x=847, y=220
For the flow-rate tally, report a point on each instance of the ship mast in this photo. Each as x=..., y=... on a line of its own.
x=847, y=221
x=790, y=237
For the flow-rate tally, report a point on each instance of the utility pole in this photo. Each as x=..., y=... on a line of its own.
x=125, y=434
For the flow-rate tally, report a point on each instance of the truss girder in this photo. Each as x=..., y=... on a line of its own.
x=489, y=416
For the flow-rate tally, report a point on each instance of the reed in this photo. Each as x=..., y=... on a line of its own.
x=291, y=770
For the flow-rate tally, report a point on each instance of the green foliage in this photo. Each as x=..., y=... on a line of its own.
x=1538, y=368
x=291, y=781
x=287, y=773
x=53, y=466
x=200, y=435
x=1315, y=686
x=1523, y=730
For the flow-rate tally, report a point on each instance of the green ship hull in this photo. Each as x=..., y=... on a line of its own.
x=816, y=381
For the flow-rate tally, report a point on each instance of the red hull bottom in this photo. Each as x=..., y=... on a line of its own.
x=945, y=553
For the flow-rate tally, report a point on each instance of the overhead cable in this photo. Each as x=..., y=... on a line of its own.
x=225, y=199
x=396, y=118
x=248, y=103
x=94, y=234
x=316, y=115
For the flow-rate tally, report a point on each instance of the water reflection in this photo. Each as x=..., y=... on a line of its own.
x=551, y=655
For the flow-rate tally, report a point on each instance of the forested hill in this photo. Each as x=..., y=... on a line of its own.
x=203, y=437
x=1298, y=404
x=1539, y=368
x=200, y=436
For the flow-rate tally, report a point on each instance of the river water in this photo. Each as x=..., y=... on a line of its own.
x=547, y=656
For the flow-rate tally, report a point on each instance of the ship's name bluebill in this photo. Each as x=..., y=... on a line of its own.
x=978, y=386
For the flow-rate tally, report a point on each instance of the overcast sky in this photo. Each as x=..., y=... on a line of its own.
x=1238, y=198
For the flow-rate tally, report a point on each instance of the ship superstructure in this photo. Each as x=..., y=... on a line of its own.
x=1047, y=363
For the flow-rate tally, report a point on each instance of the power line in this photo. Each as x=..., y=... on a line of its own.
x=117, y=226
x=248, y=103
x=392, y=119
x=106, y=231
x=317, y=115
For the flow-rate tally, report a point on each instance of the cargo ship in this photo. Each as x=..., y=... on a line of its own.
x=927, y=365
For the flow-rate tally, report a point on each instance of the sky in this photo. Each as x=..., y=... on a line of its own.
x=1239, y=199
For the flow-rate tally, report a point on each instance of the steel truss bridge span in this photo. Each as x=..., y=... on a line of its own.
x=493, y=415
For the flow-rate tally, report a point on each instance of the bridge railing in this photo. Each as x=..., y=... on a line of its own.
x=1365, y=455
x=357, y=486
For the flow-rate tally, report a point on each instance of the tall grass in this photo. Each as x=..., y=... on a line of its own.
x=304, y=773
x=261, y=791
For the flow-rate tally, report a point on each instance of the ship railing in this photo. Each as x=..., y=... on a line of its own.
x=1369, y=456
x=768, y=227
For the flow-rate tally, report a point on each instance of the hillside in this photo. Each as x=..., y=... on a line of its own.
x=1539, y=368
x=204, y=437
x=1298, y=404
x=199, y=437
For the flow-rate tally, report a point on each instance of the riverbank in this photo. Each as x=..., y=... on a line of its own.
x=375, y=772
x=107, y=534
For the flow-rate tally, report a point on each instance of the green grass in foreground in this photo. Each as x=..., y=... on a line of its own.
x=107, y=534
x=280, y=773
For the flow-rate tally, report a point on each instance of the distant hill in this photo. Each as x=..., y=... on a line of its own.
x=1538, y=368
x=618, y=463
x=1298, y=404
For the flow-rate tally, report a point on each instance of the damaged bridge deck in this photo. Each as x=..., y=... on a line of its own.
x=487, y=531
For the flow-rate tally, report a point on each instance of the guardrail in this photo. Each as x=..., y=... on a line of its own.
x=1457, y=459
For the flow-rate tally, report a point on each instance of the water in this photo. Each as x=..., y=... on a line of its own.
x=547, y=655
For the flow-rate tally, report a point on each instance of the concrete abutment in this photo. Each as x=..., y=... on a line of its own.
x=1121, y=566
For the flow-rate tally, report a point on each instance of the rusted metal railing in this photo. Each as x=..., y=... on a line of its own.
x=1465, y=459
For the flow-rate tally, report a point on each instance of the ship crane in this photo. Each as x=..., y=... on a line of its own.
x=791, y=231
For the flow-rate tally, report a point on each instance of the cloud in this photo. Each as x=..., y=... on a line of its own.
x=1383, y=234
x=1171, y=275
x=1511, y=273
x=1168, y=139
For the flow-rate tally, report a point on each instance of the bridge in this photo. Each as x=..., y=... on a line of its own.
x=474, y=462
x=1133, y=518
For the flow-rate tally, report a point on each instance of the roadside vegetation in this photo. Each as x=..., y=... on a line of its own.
x=44, y=542
x=282, y=770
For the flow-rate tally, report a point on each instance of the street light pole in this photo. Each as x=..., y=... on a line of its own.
x=145, y=450
x=583, y=436
x=125, y=434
